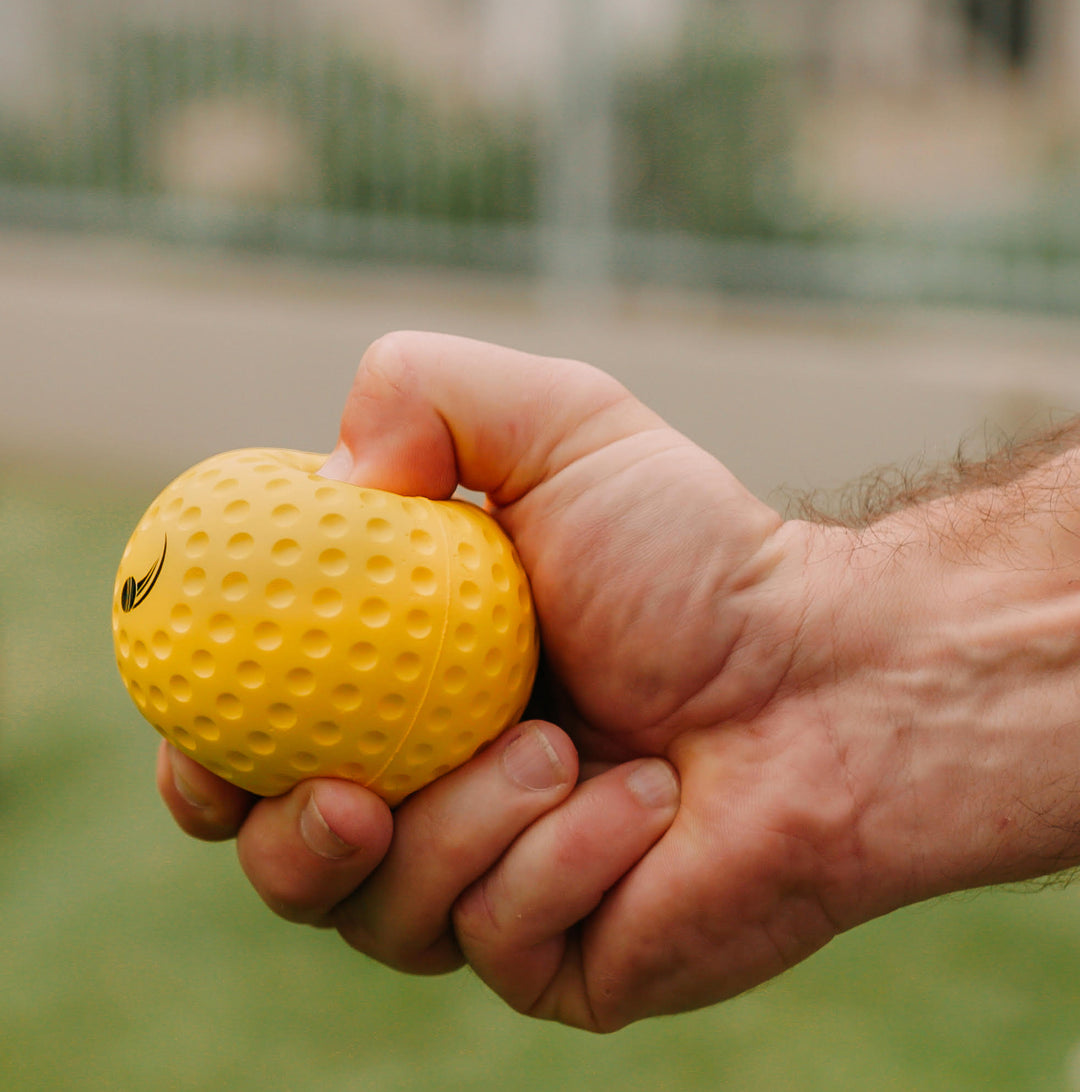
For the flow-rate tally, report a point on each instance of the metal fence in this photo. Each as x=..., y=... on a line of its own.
x=327, y=129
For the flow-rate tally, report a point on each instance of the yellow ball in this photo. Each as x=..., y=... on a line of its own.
x=275, y=626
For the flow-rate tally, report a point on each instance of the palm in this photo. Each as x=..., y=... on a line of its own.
x=628, y=623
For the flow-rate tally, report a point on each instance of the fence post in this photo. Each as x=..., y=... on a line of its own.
x=577, y=174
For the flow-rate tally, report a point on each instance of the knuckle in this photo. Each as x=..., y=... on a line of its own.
x=385, y=367
x=475, y=921
x=397, y=952
x=351, y=926
x=440, y=958
x=287, y=891
x=432, y=826
x=289, y=901
x=205, y=828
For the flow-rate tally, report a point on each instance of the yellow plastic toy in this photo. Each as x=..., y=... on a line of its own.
x=276, y=625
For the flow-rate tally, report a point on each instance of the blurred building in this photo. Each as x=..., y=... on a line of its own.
x=911, y=113
x=501, y=46
x=931, y=109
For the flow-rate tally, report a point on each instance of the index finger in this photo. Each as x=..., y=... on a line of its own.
x=428, y=412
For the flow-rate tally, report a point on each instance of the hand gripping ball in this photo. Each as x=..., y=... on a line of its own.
x=276, y=625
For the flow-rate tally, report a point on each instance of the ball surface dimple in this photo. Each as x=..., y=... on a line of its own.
x=278, y=626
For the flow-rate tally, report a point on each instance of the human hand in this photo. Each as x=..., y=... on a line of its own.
x=785, y=671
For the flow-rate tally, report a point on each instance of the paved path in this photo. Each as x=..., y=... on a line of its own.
x=135, y=362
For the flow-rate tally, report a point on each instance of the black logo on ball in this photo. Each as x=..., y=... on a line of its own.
x=135, y=591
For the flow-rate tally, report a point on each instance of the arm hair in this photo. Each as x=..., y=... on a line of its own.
x=888, y=490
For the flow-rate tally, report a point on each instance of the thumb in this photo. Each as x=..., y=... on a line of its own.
x=429, y=412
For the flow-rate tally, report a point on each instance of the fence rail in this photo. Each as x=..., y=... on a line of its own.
x=234, y=125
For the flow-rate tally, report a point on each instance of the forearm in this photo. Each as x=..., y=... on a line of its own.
x=960, y=637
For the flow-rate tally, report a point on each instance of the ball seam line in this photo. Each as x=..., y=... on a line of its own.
x=435, y=660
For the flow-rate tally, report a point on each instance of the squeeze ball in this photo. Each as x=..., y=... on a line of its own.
x=276, y=625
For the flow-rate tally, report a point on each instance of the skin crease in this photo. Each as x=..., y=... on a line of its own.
x=768, y=731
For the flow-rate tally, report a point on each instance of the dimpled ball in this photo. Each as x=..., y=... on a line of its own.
x=275, y=626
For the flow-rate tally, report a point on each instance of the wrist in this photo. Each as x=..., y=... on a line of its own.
x=957, y=662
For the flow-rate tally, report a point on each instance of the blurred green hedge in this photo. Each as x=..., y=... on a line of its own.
x=699, y=138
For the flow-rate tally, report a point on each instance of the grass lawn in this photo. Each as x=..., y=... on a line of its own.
x=132, y=958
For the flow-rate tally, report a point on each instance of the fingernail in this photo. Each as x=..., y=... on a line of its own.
x=532, y=762
x=653, y=784
x=339, y=466
x=187, y=791
x=318, y=836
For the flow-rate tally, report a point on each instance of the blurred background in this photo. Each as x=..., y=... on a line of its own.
x=819, y=236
